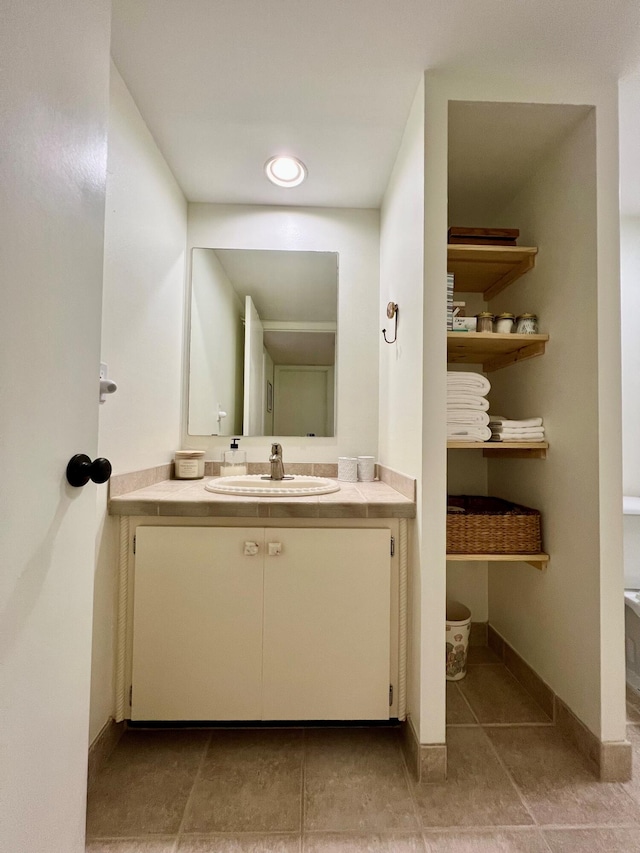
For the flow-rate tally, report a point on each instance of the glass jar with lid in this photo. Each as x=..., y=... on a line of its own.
x=504, y=323
x=485, y=322
x=527, y=324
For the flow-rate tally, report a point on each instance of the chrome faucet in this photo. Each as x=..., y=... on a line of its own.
x=277, y=468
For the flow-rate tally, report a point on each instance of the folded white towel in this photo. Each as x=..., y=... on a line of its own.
x=536, y=436
x=498, y=420
x=467, y=401
x=521, y=432
x=474, y=383
x=467, y=417
x=459, y=432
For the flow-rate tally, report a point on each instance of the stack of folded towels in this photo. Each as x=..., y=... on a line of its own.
x=467, y=407
x=503, y=429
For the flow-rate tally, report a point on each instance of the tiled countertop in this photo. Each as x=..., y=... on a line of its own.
x=190, y=498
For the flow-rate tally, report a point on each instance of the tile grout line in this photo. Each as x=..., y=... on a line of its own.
x=303, y=778
x=205, y=751
x=510, y=777
x=501, y=725
x=414, y=804
x=523, y=828
x=467, y=703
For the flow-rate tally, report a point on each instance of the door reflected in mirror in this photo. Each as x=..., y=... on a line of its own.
x=262, y=357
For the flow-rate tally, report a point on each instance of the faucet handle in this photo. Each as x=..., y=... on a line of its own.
x=276, y=449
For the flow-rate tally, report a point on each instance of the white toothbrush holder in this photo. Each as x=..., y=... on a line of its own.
x=348, y=469
x=366, y=468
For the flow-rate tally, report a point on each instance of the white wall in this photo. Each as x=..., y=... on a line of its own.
x=216, y=349
x=406, y=412
x=563, y=388
x=144, y=268
x=354, y=235
x=630, y=307
x=598, y=700
x=53, y=133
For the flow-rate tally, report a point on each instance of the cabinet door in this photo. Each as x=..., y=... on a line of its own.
x=327, y=625
x=197, y=630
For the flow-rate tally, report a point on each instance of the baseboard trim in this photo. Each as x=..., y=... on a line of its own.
x=478, y=634
x=427, y=762
x=610, y=761
x=102, y=747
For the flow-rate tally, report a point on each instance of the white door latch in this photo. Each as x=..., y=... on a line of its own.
x=250, y=549
x=275, y=549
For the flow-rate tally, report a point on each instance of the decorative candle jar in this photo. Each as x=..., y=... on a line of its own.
x=485, y=322
x=189, y=464
x=504, y=323
x=527, y=324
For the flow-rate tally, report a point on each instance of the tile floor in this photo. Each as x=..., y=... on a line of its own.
x=514, y=786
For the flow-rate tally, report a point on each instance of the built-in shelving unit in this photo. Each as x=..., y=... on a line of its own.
x=491, y=350
x=488, y=269
x=538, y=561
x=504, y=449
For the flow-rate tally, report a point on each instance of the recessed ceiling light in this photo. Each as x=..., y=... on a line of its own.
x=285, y=171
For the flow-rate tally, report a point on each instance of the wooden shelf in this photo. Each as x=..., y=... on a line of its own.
x=538, y=561
x=488, y=269
x=504, y=449
x=491, y=350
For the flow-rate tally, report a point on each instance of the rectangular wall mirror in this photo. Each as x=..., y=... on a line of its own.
x=262, y=358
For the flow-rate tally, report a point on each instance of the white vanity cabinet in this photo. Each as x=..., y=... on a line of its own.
x=250, y=623
x=197, y=624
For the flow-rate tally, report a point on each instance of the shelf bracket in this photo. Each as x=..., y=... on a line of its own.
x=521, y=354
x=512, y=275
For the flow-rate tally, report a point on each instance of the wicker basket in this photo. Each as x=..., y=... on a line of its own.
x=481, y=525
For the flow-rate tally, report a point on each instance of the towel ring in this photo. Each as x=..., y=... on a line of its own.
x=392, y=311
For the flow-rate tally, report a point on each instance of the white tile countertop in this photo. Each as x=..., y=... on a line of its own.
x=190, y=498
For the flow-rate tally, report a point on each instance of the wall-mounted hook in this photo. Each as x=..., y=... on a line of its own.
x=392, y=311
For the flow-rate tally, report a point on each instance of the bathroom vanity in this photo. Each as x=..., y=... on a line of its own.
x=248, y=609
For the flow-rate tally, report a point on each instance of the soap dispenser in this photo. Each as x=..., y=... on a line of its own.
x=235, y=461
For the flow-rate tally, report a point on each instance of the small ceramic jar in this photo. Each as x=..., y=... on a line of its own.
x=527, y=324
x=485, y=321
x=504, y=323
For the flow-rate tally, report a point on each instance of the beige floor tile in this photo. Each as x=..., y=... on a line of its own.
x=358, y=749
x=633, y=786
x=593, y=840
x=144, y=786
x=245, y=843
x=500, y=841
x=359, y=843
x=477, y=792
x=496, y=697
x=478, y=655
x=633, y=704
x=250, y=781
x=132, y=845
x=355, y=781
x=556, y=783
x=458, y=712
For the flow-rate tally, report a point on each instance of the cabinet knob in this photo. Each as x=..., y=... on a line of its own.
x=250, y=549
x=81, y=469
x=275, y=549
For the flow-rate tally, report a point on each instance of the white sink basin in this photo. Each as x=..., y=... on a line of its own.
x=252, y=485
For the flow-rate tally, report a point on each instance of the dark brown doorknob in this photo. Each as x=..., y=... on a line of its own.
x=81, y=469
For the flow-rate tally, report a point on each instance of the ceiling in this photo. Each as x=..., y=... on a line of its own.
x=225, y=84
